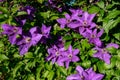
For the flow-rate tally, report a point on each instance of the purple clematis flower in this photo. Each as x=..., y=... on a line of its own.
x=87, y=74
x=93, y=36
x=45, y=31
x=55, y=54
x=76, y=14
x=28, y=40
x=12, y=32
x=70, y=20
x=70, y=55
x=23, y=18
x=64, y=21
x=54, y=4
x=103, y=54
x=59, y=42
x=86, y=20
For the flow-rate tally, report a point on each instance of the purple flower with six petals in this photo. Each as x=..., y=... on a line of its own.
x=12, y=32
x=103, y=54
x=28, y=40
x=87, y=74
x=70, y=55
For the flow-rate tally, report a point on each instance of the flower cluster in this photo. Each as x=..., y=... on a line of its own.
x=29, y=15
x=62, y=56
x=54, y=4
x=78, y=20
x=26, y=39
x=87, y=74
x=82, y=22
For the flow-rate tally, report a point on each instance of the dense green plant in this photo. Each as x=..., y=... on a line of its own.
x=33, y=65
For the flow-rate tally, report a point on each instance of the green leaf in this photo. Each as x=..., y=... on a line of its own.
x=113, y=14
x=101, y=4
x=86, y=63
x=3, y=9
x=67, y=37
x=29, y=55
x=46, y=73
x=15, y=69
x=21, y=13
x=91, y=52
x=2, y=16
x=100, y=66
x=31, y=77
x=45, y=14
x=54, y=17
x=112, y=50
x=93, y=9
x=76, y=35
x=84, y=44
x=67, y=44
x=3, y=57
x=108, y=25
x=51, y=75
x=38, y=70
x=40, y=1
x=1, y=44
x=62, y=70
x=118, y=64
x=117, y=36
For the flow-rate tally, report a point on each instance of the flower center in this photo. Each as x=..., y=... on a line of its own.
x=93, y=36
x=28, y=39
x=84, y=23
x=57, y=53
x=104, y=50
x=70, y=56
x=15, y=29
x=68, y=21
x=82, y=77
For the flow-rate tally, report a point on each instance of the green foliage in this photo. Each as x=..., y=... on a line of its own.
x=33, y=66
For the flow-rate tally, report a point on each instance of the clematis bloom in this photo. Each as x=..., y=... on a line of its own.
x=12, y=32
x=70, y=55
x=28, y=40
x=87, y=74
x=103, y=54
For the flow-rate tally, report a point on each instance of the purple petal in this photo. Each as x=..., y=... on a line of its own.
x=70, y=49
x=96, y=41
x=92, y=25
x=95, y=32
x=112, y=45
x=36, y=39
x=98, y=55
x=62, y=21
x=12, y=39
x=91, y=16
x=75, y=59
x=67, y=16
x=79, y=69
x=33, y=30
x=67, y=64
x=106, y=58
x=24, y=48
x=60, y=61
x=73, y=77
x=73, y=24
x=100, y=33
x=85, y=16
x=98, y=77
x=76, y=51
